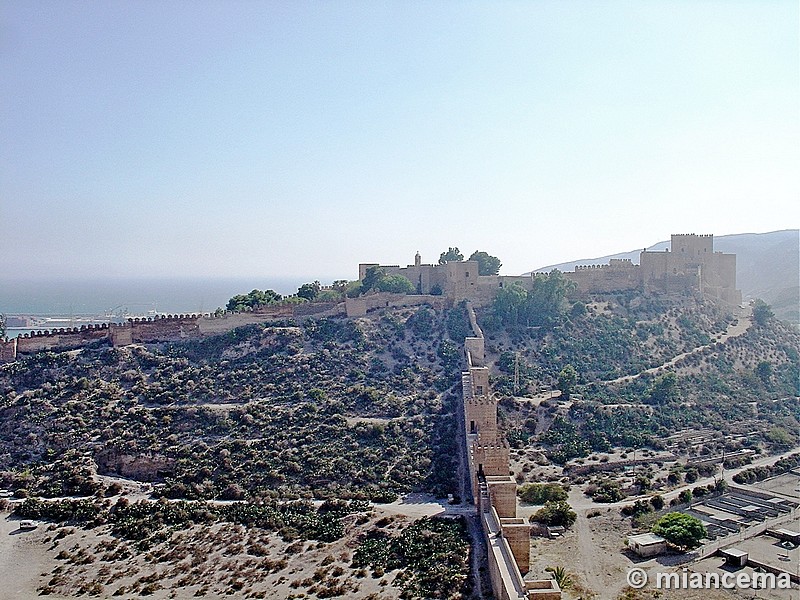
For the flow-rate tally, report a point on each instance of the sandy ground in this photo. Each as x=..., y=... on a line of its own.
x=210, y=562
x=22, y=560
x=220, y=561
x=593, y=552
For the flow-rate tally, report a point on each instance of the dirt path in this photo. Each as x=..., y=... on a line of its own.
x=603, y=565
x=742, y=325
x=21, y=560
x=478, y=558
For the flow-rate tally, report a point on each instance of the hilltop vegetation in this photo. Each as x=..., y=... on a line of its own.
x=610, y=341
x=329, y=408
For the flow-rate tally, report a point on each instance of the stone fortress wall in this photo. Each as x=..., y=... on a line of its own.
x=494, y=491
x=691, y=265
x=61, y=338
x=619, y=274
x=158, y=329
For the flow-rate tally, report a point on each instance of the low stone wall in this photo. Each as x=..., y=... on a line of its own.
x=359, y=307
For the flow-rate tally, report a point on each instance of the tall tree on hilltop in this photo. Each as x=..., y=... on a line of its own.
x=371, y=278
x=487, y=264
x=309, y=291
x=396, y=284
x=546, y=300
x=509, y=305
x=762, y=312
x=253, y=299
x=452, y=255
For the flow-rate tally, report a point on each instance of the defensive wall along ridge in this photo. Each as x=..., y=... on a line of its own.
x=187, y=326
x=690, y=266
x=157, y=329
x=494, y=491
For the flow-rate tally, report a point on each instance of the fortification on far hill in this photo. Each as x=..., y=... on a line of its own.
x=691, y=263
x=690, y=266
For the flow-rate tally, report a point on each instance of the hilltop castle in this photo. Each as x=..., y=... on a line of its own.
x=690, y=266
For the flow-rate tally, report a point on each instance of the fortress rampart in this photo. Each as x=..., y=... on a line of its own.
x=159, y=329
x=67, y=338
x=493, y=489
x=616, y=276
x=186, y=326
x=690, y=266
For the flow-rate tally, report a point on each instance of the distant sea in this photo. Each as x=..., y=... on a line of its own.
x=102, y=296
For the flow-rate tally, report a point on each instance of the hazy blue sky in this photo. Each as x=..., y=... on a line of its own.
x=290, y=138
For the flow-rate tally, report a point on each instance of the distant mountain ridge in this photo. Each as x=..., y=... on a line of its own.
x=767, y=267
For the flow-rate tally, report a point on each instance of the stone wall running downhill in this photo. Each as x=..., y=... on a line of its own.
x=494, y=491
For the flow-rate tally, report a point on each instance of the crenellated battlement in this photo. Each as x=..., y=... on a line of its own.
x=63, y=331
x=161, y=318
x=614, y=263
x=493, y=489
x=161, y=328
